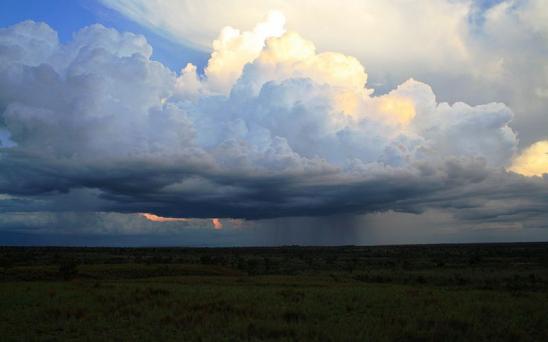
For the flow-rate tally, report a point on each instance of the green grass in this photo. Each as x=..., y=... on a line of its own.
x=267, y=307
x=288, y=298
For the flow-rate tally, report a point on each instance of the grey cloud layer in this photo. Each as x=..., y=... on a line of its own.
x=96, y=125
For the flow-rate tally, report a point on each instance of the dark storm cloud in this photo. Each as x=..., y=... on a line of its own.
x=96, y=126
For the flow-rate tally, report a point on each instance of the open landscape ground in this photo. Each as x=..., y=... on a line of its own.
x=386, y=293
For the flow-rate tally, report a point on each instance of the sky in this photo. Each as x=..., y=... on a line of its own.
x=273, y=122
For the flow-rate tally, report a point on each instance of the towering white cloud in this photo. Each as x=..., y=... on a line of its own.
x=319, y=104
x=472, y=51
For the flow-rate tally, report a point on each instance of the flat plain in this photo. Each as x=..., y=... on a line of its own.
x=475, y=292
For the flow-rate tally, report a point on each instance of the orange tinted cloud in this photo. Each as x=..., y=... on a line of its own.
x=156, y=218
x=217, y=224
x=533, y=161
x=399, y=109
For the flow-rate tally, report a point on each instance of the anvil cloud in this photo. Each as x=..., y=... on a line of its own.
x=272, y=128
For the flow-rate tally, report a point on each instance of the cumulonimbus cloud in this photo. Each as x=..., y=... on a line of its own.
x=472, y=51
x=273, y=128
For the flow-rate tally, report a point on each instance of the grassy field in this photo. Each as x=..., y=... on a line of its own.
x=397, y=293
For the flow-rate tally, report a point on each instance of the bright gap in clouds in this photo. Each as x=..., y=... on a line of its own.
x=215, y=222
x=156, y=218
x=533, y=161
